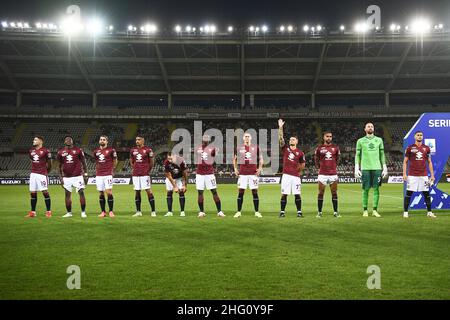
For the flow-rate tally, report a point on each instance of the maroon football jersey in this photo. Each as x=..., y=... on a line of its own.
x=175, y=168
x=291, y=160
x=418, y=158
x=104, y=161
x=205, y=159
x=327, y=156
x=71, y=160
x=39, y=159
x=247, y=157
x=141, y=159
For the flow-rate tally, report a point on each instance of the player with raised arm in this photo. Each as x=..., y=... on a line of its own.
x=141, y=161
x=176, y=174
x=106, y=162
x=205, y=155
x=293, y=166
x=418, y=156
x=326, y=159
x=41, y=165
x=73, y=174
x=250, y=161
x=370, y=166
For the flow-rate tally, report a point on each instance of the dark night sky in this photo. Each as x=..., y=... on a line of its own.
x=166, y=13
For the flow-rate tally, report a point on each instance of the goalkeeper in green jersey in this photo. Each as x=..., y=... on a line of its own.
x=370, y=166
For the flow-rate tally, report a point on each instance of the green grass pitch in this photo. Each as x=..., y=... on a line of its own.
x=213, y=258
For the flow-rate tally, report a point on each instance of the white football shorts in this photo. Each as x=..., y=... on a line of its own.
x=417, y=184
x=75, y=182
x=142, y=182
x=38, y=182
x=178, y=183
x=250, y=181
x=290, y=184
x=104, y=182
x=327, y=179
x=207, y=181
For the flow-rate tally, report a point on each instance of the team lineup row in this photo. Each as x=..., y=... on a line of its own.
x=248, y=162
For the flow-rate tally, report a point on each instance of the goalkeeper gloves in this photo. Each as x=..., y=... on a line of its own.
x=384, y=174
x=358, y=173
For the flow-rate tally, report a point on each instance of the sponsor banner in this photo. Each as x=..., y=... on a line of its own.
x=269, y=180
x=6, y=181
x=232, y=180
x=395, y=179
x=342, y=179
x=115, y=181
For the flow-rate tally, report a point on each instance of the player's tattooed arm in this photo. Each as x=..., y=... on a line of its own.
x=430, y=166
x=301, y=167
x=150, y=163
x=49, y=165
x=316, y=159
x=280, y=132
x=84, y=164
x=261, y=164
x=185, y=179
x=235, y=165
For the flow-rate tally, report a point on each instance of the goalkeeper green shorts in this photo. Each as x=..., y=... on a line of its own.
x=371, y=179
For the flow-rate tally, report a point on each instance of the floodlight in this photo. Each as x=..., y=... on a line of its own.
x=361, y=27
x=71, y=27
x=319, y=28
x=282, y=28
x=178, y=28
x=305, y=28
x=290, y=28
x=342, y=27
x=420, y=26
x=4, y=24
x=264, y=28
x=95, y=27
x=251, y=28
x=188, y=28
x=230, y=28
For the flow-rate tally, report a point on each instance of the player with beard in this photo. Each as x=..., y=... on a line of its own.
x=326, y=159
x=370, y=166
x=73, y=174
x=106, y=162
x=293, y=165
x=41, y=165
x=250, y=161
x=176, y=174
x=205, y=155
x=141, y=160
x=418, y=155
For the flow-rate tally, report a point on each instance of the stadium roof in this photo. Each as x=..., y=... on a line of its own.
x=333, y=64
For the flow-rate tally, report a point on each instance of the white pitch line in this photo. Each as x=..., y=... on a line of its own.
x=381, y=195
